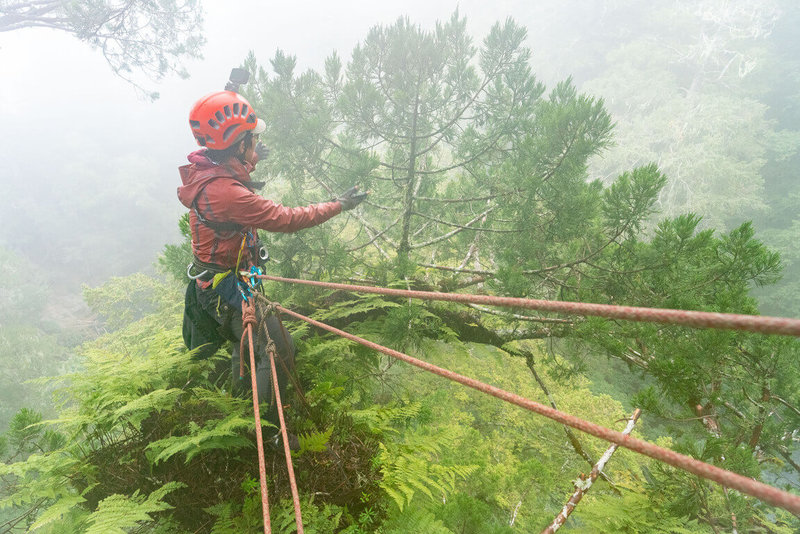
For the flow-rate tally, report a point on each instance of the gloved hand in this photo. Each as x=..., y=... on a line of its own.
x=351, y=198
x=262, y=151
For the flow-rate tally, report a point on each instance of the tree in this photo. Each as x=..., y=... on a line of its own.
x=479, y=180
x=434, y=132
x=149, y=36
x=31, y=346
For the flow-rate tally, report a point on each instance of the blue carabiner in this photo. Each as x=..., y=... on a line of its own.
x=245, y=294
x=255, y=272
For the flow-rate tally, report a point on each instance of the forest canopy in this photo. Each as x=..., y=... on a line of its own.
x=479, y=181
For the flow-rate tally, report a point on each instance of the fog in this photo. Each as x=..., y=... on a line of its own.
x=89, y=166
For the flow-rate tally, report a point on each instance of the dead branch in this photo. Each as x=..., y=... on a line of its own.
x=582, y=484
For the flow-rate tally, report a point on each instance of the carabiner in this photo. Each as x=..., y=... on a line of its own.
x=195, y=277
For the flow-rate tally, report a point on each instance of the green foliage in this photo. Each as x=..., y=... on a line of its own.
x=359, y=306
x=317, y=518
x=475, y=170
x=218, y=434
x=174, y=259
x=131, y=37
x=416, y=520
x=57, y=511
x=32, y=345
x=123, y=300
x=313, y=441
x=410, y=468
x=634, y=512
x=117, y=513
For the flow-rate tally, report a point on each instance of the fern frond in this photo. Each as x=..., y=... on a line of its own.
x=216, y=434
x=137, y=410
x=361, y=305
x=314, y=441
x=61, y=507
x=116, y=513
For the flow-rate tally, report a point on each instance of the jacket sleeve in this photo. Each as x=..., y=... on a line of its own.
x=241, y=206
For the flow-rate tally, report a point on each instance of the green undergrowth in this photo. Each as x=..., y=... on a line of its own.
x=147, y=439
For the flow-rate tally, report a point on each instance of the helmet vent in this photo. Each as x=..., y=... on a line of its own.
x=244, y=110
x=251, y=118
x=236, y=109
x=220, y=117
x=195, y=125
x=227, y=110
x=213, y=124
x=230, y=131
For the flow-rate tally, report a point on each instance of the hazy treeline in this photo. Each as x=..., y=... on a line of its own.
x=633, y=181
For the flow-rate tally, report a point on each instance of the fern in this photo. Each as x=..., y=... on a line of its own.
x=317, y=519
x=116, y=513
x=361, y=305
x=412, y=467
x=215, y=434
x=381, y=419
x=139, y=409
x=416, y=520
x=60, y=508
x=313, y=442
x=41, y=476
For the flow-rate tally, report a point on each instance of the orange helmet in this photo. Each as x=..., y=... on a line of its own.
x=220, y=118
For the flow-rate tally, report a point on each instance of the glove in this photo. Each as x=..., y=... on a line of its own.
x=262, y=151
x=351, y=198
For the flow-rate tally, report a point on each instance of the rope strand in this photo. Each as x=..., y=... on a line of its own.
x=284, y=435
x=248, y=321
x=728, y=321
x=752, y=487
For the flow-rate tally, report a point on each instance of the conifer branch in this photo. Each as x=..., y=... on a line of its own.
x=454, y=232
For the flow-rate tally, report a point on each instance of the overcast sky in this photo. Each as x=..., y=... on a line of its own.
x=49, y=78
x=66, y=116
x=72, y=130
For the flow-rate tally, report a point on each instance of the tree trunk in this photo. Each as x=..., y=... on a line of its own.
x=408, y=201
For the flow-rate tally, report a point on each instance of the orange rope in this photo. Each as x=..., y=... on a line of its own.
x=287, y=452
x=761, y=491
x=730, y=321
x=248, y=321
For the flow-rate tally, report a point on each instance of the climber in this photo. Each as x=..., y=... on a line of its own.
x=225, y=213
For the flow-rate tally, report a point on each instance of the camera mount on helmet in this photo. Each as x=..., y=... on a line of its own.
x=237, y=78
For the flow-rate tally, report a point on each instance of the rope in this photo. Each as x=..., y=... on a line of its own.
x=761, y=491
x=284, y=435
x=727, y=321
x=248, y=321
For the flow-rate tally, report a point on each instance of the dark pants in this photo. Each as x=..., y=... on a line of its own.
x=208, y=322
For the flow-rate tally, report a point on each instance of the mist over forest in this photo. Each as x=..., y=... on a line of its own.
x=619, y=152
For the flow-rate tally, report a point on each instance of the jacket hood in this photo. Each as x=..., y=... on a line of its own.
x=202, y=170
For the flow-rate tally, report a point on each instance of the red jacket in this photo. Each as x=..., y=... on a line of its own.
x=222, y=194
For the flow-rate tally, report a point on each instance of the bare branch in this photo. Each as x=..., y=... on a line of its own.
x=521, y=317
x=454, y=232
x=583, y=485
x=455, y=225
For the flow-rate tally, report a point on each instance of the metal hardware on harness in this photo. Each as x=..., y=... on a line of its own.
x=263, y=254
x=195, y=277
